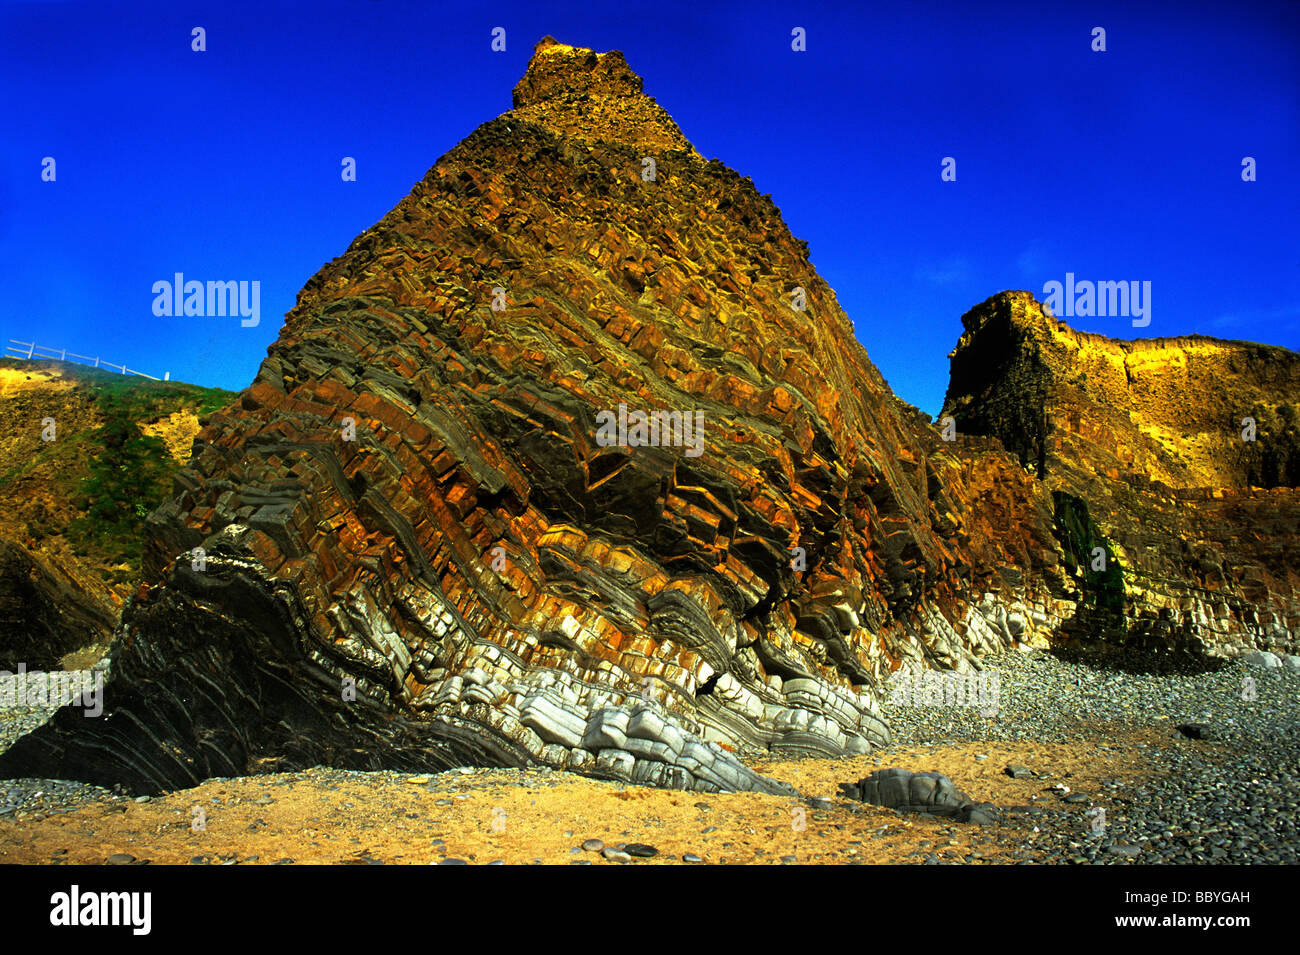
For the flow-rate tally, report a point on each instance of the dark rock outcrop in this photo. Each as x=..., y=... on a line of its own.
x=1198, y=730
x=930, y=793
x=44, y=614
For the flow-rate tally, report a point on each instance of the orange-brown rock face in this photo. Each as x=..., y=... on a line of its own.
x=571, y=459
x=432, y=531
x=1199, y=524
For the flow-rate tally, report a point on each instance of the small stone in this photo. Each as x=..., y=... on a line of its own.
x=1262, y=658
x=691, y=857
x=121, y=858
x=593, y=845
x=1126, y=852
x=788, y=860
x=1018, y=772
x=1076, y=798
x=707, y=829
x=451, y=861
x=418, y=780
x=614, y=855
x=1197, y=730
x=640, y=850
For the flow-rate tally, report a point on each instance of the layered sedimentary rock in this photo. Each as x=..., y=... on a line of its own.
x=572, y=459
x=45, y=613
x=431, y=532
x=1177, y=458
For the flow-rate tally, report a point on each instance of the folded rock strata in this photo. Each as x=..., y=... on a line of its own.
x=497, y=584
x=410, y=545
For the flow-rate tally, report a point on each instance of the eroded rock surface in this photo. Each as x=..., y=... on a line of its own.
x=410, y=545
x=1142, y=447
x=906, y=791
x=500, y=585
x=45, y=613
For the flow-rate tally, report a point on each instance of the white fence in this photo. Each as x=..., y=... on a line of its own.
x=29, y=350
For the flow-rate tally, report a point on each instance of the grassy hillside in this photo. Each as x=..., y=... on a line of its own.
x=79, y=501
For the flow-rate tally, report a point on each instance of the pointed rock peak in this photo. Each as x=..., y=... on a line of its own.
x=559, y=70
x=584, y=95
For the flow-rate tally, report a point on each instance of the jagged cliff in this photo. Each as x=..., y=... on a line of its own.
x=502, y=585
x=419, y=540
x=1144, y=445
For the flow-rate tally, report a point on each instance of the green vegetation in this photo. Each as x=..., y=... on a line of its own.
x=131, y=475
x=115, y=474
x=71, y=450
x=124, y=396
x=126, y=481
x=1103, y=589
x=140, y=398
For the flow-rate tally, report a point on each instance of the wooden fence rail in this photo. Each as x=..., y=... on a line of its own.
x=29, y=350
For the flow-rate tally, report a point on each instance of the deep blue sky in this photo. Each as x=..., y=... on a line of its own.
x=1123, y=165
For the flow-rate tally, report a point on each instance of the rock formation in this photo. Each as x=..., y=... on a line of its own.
x=571, y=459
x=413, y=501
x=44, y=613
x=931, y=793
x=1178, y=457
